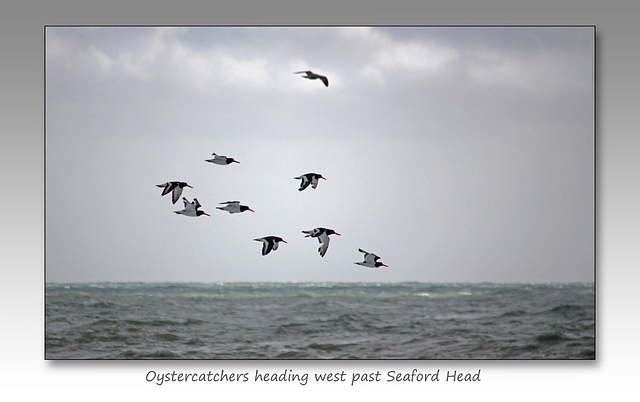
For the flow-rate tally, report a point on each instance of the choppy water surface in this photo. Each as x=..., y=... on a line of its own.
x=319, y=321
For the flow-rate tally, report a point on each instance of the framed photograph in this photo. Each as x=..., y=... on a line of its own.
x=320, y=192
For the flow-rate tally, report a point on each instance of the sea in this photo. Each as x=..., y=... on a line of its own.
x=272, y=321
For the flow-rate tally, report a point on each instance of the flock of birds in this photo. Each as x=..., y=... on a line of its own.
x=269, y=243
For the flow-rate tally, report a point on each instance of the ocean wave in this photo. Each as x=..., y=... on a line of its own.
x=155, y=355
x=551, y=337
x=163, y=323
x=319, y=321
x=514, y=313
x=568, y=308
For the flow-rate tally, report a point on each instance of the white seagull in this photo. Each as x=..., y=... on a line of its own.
x=234, y=207
x=370, y=260
x=173, y=187
x=221, y=160
x=313, y=76
x=191, y=208
x=323, y=237
x=309, y=179
x=269, y=243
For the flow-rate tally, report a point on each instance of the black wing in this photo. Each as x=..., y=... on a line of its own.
x=305, y=183
x=267, y=246
x=175, y=194
x=169, y=187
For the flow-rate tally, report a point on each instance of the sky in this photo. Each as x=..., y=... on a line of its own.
x=456, y=154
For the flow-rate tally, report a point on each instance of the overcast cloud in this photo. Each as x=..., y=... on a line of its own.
x=456, y=154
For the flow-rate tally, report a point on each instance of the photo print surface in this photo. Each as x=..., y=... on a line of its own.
x=422, y=192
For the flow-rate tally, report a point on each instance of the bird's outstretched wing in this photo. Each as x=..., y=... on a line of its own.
x=324, y=244
x=304, y=183
x=176, y=193
x=167, y=188
x=267, y=247
x=370, y=258
x=268, y=244
x=311, y=233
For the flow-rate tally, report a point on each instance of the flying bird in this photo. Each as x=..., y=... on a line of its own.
x=370, y=260
x=322, y=234
x=234, y=207
x=269, y=243
x=221, y=160
x=173, y=187
x=191, y=208
x=309, y=179
x=313, y=76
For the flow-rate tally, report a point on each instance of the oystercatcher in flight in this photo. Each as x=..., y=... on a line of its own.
x=269, y=243
x=191, y=208
x=173, y=187
x=322, y=234
x=221, y=160
x=234, y=207
x=370, y=260
x=309, y=179
x=313, y=76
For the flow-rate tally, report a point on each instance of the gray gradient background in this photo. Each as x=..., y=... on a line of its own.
x=22, y=296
